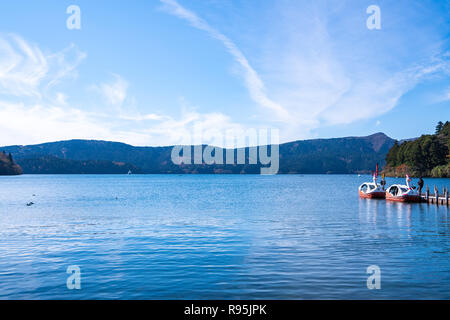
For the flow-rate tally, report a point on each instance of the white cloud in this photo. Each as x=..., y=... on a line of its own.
x=374, y=96
x=306, y=70
x=139, y=117
x=31, y=112
x=252, y=80
x=193, y=128
x=64, y=64
x=114, y=92
x=322, y=67
x=326, y=68
x=37, y=123
x=22, y=67
x=61, y=99
x=443, y=96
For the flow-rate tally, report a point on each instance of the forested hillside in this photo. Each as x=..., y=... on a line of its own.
x=8, y=166
x=337, y=155
x=425, y=156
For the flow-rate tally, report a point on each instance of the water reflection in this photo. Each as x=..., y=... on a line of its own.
x=218, y=236
x=390, y=214
x=404, y=216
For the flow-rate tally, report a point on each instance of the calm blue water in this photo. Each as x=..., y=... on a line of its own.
x=217, y=237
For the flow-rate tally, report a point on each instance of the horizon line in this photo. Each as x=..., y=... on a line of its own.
x=168, y=146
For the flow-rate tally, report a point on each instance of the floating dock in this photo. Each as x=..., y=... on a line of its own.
x=436, y=198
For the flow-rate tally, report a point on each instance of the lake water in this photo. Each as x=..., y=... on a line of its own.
x=217, y=237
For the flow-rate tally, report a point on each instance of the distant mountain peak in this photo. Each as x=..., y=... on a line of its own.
x=378, y=134
x=378, y=140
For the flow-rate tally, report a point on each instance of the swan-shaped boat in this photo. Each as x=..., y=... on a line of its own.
x=403, y=193
x=372, y=190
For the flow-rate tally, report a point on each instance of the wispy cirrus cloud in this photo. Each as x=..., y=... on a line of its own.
x=26, y=71
x=22, y=67
x=327, y=69
x=34, y=110
x=442, y=96
x=115, y=91
x=253, y=82
x=371, y=97
x=308, y=65
x=323, y=66
x=64, y=64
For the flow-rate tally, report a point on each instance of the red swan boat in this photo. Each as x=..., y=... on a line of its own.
x=372, y=190
x=403, y=193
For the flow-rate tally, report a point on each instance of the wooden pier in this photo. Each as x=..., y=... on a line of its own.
x=436, y=198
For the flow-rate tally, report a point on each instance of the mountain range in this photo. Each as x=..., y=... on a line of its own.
x=331, y=156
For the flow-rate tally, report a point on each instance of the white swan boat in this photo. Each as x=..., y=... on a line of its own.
x=403, y=193
x=372, y=190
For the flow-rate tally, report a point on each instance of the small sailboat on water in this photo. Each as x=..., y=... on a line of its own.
x=403, y=193
x=372, y=190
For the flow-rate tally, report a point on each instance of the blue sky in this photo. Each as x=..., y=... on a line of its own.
x=152, y=72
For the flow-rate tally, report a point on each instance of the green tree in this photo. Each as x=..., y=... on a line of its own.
x=439, y=127
x=425, y=154
x=10, y=158
x=391, y=158
x=438, y=153
x=415, y=157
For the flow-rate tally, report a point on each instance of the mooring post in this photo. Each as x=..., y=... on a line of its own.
x=436, y=194
x=446, y=196
x=427, y=195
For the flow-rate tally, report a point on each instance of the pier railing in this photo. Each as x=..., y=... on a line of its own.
x=436, y=198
